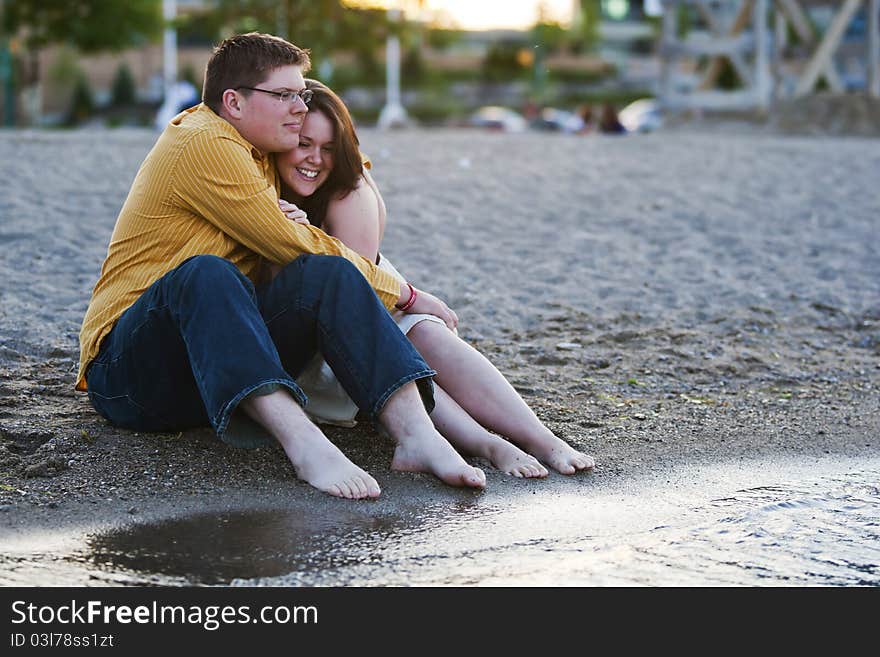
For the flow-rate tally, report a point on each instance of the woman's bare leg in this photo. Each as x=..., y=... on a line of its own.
x=420, y=447
x=463, y=432
x=483, y=392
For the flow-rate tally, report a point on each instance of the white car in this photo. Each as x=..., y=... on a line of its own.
x=642, y=115
x=558, y=120
x=499, y=118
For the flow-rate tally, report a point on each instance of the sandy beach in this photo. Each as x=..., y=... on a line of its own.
x=660, y=301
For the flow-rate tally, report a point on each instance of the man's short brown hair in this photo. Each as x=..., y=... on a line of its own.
x=246, y=60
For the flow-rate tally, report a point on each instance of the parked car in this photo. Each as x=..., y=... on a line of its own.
x=558, y=120
x=642, y=115
x=498, y=118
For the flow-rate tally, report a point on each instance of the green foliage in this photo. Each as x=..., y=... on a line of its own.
x=686, y=17
x=124, y=90
x=189, y=74
x=64, y=68
x=618, y=97
x=88, y=25
x=549, y=36
x=308, y=23
x=323, y=26
x=586, y=32
x=434, y=110
x=361, y=74
x=82, y=105
x=441, y=38
x=502, y=62
x=412, y=68
x=728, y=78
x=583, y=77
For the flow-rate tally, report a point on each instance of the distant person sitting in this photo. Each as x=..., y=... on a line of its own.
x=608, y=121
x=585, y=113
x=182, y=95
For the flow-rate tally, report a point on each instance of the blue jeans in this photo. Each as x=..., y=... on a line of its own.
x=202, y=338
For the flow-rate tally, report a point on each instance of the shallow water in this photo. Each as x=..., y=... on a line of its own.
x=796, y=523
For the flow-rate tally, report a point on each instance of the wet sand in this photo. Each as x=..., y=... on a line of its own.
x=660, y=301
x=783, y=520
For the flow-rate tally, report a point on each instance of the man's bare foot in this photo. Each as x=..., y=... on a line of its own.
x=319, y=462
x=316, y=460
x=559, y=455
x=432, y=454
x=510, y=459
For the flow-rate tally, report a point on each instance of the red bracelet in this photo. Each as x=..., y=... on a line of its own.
x=413, y=295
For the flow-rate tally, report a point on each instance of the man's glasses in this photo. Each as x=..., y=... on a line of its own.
x=288, y=97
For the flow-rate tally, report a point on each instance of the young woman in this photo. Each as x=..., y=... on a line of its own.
x=325, y=183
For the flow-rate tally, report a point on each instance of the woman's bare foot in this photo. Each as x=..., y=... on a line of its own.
x=510, y=459
x=319, y=462
x=434, y=455
x=559, y=455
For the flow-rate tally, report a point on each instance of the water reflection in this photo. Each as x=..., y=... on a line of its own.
x=816, y=530
x=220, y=547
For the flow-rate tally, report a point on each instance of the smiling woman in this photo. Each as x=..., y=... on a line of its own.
x=329, y=186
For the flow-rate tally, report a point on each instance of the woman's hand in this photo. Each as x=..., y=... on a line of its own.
x=292, y=212
x=431, y=305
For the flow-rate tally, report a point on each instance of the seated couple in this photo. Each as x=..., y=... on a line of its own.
x=186, y=327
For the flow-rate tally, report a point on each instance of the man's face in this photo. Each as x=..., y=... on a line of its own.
x=267, y=122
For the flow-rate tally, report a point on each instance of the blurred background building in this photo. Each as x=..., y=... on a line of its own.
x=69, y=62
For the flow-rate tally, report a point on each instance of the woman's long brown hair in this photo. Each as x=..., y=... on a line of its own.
x=347, y=165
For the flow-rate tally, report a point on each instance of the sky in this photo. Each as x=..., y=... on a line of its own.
x=487, y=14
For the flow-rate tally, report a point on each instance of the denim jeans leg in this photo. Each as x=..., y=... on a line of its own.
x=326, y=303
x=188, y=351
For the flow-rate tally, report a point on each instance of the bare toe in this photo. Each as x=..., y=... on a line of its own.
x=372, y=488
x=347, y=492
x=475, y=478
x=358, y=489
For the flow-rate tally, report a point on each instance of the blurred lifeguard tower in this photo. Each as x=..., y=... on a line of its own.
x=755, y=37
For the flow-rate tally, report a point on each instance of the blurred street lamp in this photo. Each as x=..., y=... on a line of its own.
x=653, y=8
x=393, y=114
x=169, y=46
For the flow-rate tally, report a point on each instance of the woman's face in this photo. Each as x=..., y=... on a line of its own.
x=306, y=167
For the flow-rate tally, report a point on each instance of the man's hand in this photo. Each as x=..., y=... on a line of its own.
x=431, y=305
x=292, y=212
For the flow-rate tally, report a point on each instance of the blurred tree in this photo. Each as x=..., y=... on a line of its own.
x=124, y=91
x=413, y=67
x=82, y=105
x=312, y=24
x=88, y=25
x=442, y=38
x=322, y=26
x=550, y=36
x=503, y=62
x=189, y=74
x=585, y=30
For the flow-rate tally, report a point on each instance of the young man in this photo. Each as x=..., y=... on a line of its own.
x=184, y=329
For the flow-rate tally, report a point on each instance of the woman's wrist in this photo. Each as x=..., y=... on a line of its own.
x=407, y=298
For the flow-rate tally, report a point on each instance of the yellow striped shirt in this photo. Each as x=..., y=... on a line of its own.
x=202, y=190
